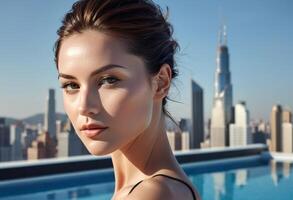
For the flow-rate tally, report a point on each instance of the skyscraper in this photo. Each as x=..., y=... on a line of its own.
x=276, y=128
x=287, y=116
x=185, y=144
x=197, y=134
x=27, y=137
x=43, y=147
x=50, y=115
x=15, y=141
x=2, y=121
x=222, y=105
x=287, y=143
x=69, y=144
x=240, y=134
x=287, y=132
x=5, y=147
x=175, y=140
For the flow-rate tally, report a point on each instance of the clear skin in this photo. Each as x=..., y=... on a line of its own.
x=128, y=101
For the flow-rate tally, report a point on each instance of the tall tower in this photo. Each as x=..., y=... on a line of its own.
x=287, y=116
x=5, y=147
x=239, y=130
x=197, y=134
x=50, y=114
x=287, y=132
x=69, y=144
x=276, y=128
x=222, y=105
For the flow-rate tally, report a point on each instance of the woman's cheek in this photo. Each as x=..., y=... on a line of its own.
x=129, y=108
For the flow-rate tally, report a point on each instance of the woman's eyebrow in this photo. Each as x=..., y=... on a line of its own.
x=97, y=71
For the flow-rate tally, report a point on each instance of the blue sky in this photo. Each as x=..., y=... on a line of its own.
x=259, y=39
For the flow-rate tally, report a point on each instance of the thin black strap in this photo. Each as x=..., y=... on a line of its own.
x=190, y=188
x=177, y=179
x=135, y=186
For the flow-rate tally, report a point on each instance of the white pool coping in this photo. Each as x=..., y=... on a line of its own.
x=26, y=163
x=47, y=161
x=282, y=157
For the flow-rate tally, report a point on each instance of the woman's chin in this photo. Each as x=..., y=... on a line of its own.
x=99, y=150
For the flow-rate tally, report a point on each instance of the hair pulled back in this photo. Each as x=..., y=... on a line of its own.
x=140, y=23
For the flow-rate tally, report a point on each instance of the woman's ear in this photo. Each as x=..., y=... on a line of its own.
x=162, y=81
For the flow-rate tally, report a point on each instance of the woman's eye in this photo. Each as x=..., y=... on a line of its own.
x=69, y=87
x=108, y=80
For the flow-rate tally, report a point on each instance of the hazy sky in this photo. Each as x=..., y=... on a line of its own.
x=259, y=39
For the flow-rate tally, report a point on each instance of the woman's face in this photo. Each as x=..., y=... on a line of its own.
x=104, y=85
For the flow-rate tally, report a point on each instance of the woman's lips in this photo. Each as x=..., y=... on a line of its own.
x=93, y=132
x=93, y=129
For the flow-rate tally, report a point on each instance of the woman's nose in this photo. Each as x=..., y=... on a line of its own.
x=89, y=102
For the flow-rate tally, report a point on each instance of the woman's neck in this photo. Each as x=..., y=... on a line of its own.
x=147, y=154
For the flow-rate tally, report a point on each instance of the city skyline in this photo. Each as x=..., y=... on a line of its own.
x=258, y=39
x=223, y=97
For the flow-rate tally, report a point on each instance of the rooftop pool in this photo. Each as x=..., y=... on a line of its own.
x=253, y=177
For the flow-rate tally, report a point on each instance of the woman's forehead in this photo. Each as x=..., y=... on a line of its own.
x=92, y=42
x=93, y=49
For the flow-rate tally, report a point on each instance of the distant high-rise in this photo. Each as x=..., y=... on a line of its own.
x=184, y=125
x=27, y=138
x=287, y=132
x=50, y=114
x=2, y=121
x=58, y=127
x=240, y=134
x=263, y=127
x=287, y=116
x=197, y=134
x=15, y=141
x=43, y=147
x=175, y=140
x=5, y=147
x=276, y=128
x=69, y=144
x=185, y=144
x=223, y=101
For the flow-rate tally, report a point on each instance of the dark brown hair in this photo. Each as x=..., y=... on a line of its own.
x=140, y=23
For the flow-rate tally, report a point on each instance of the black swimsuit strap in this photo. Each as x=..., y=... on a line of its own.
x=135, y=186
x=173, y=178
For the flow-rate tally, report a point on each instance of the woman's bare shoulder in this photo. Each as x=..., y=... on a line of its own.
x=157, y=188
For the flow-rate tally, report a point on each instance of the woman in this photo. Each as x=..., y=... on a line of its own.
x=115, y=61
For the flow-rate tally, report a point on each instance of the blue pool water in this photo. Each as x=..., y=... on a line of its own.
x=232, y=179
